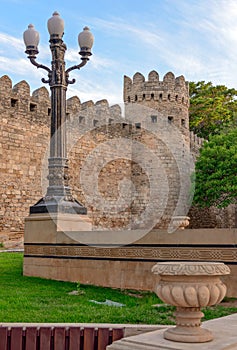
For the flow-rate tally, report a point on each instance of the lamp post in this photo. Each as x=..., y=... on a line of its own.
x=58, y=197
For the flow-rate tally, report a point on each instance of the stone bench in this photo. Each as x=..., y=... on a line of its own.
x=57, y=338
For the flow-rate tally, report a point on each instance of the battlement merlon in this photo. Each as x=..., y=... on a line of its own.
x=102, y=112
x=17, y=101
x=21, y=90
x=196, y=141
x=168, y=98
x=92, y=114
x=170, y=88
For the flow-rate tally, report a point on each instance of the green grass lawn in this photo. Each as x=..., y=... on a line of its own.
x=31, y=299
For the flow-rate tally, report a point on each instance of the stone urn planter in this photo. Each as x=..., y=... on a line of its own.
x=180, y=222
x=190, y=286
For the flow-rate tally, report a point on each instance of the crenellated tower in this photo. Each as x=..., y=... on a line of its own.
x=169, y=97
x=153, y=141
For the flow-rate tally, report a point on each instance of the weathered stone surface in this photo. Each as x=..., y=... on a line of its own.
x=190, y=286
x=138, y=154
x=11, y=240
x=224, y=330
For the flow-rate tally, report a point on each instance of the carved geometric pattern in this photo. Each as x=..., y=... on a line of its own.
x=141, y=253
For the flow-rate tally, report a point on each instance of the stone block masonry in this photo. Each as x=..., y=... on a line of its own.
x=24, y=134
x=120, y=151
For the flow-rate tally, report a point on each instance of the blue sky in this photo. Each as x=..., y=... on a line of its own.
x=196, y=38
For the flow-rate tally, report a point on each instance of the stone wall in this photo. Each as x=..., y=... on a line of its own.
x=212, y=217
x=24, y=133
x=169, y=97
x=125, y=266
x=195, y=144
x=124, y=169
x=140, y=161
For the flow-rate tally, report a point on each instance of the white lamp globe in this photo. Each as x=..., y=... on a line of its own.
x=31, y=38
x=56, y=25
x=85, y=41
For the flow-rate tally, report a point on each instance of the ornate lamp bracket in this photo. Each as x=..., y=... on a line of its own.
x=78, y=66
x=58, y=197
x=38, y=65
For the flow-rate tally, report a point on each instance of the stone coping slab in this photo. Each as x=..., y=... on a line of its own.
x=224, y=331
x=14, y=250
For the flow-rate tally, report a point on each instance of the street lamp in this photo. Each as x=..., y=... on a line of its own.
x=58, y=197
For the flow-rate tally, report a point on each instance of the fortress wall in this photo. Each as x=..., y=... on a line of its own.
x=24, y=132
x=195, y=144
x=169, y=97
x=156, y=117
x=24, y=135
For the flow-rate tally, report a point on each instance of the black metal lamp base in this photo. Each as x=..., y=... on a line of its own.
x=58, y=205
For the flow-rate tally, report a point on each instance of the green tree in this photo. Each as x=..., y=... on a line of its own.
x=216, y=170
x=212, y=108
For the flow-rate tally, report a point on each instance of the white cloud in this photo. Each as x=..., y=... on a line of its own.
x=95, y=91
x=214, y=28
x=21, y=66
x=119, y=27
x=13, y=63
x=201, y=45
x=97, y=61
x=11, y=41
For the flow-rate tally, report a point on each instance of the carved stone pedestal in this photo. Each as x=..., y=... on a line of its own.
x=45, y=235
x=188, y=330
x=180, y=222
x=190, y=286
